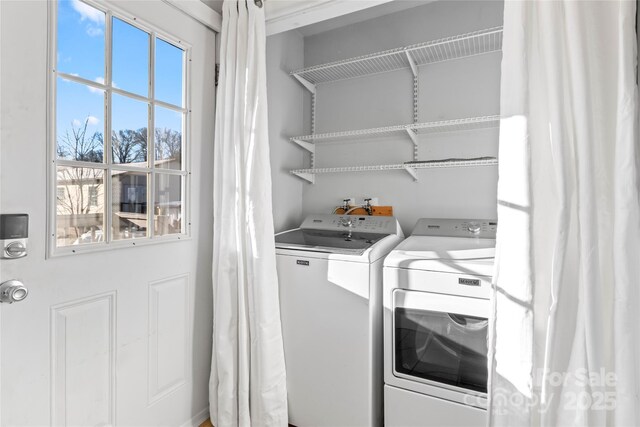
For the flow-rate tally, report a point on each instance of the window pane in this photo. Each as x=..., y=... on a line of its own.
x=167, y=211
x=80, y=40
x=79, y=206
x=129, y=203
x=168, y=73
x=130, y=58
x=79, y=122
x=129, y=135
x=168, y=138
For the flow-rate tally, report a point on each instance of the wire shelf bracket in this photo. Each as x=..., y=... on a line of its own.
x=309, y=146
x=412, y=63
x=413, y=136
x=306, y=83
x=411, y=171
x=307, y=176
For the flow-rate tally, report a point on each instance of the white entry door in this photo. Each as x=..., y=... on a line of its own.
x=116, y=328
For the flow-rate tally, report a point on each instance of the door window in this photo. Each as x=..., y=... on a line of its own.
x=119, y=134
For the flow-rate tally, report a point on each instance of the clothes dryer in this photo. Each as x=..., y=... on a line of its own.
x=437, y=288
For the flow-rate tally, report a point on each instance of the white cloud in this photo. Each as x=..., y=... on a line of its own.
x=87, y=12
x=76, y=123
x=92, y=121
x=94, y=31
x=95, y=18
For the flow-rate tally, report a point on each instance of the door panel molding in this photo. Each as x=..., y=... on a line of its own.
x=168, y=335
x=83, y=362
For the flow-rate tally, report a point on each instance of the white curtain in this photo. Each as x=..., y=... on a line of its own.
x=565, y=343
x=248, y=383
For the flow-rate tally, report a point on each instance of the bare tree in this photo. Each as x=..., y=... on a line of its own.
x=75, y=201
x=129, y=146
x=168, y=144
x=77, y=145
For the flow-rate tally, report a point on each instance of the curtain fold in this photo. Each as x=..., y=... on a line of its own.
x=248, y=382
x=564, y=342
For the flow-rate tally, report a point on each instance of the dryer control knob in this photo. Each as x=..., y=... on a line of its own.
x=474, y=227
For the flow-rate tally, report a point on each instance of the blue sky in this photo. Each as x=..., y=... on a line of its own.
x=81, y=52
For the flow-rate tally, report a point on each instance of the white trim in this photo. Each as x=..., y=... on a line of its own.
x=197, y=419
x=185, y=152
x=52, y=173
x=151, y=137
x=105, y=87
x=287, y=16
x=117, y=244
x=127, y=167
x=198, y=11
x=107, y=180
x=290, y=16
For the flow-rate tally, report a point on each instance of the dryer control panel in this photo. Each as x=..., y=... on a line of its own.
x=474, y=228
x=363, y=224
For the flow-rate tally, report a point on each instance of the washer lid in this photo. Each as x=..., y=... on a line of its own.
x=331, y=241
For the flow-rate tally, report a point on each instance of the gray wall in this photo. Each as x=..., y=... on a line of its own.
x=285, y=98
x=455, y=89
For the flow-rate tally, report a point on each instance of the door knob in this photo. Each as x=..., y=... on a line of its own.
x=12, y=291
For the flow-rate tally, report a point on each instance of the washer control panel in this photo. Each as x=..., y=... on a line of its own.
x=480, y=228
x=364, y=224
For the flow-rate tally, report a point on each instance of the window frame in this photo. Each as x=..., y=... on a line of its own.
x=107, y=166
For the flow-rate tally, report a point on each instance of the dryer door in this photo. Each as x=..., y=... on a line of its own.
x=441, y=340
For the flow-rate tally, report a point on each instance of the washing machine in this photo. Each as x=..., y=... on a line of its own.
x=437, y=291
x=330, y=275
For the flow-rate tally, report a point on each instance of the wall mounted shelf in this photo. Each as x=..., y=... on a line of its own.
x=409, y=57
x=461, y=46
x=308, y=141
x=410, y=167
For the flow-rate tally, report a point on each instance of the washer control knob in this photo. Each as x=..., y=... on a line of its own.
x=474, y=227
x=12, y=291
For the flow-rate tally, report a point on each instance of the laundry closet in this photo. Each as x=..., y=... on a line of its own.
x=399, y=106
x=453, y=101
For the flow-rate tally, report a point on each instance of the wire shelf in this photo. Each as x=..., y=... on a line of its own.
x=446, y=49
x=442, y=126
x=409, y=167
